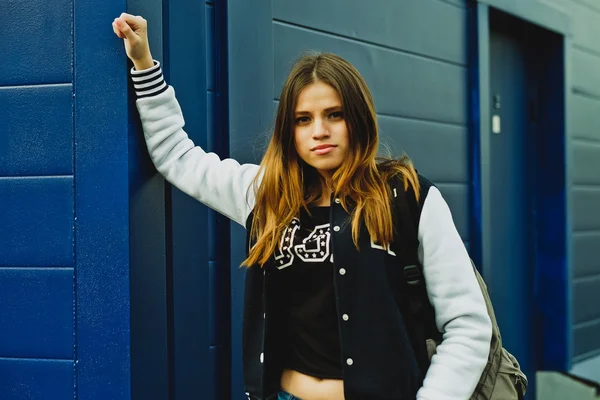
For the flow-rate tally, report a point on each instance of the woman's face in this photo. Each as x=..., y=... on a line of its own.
x=320, y=131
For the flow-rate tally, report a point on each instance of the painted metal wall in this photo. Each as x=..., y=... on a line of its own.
x=584, y=122
x=582, y=59
x=82, y=208
x=578, y=21
x=177, y=329
x=64, y=267
x=585, y=175
x=219, y=304
x=37, y=206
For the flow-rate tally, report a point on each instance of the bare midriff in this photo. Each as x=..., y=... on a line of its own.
x=307, y=387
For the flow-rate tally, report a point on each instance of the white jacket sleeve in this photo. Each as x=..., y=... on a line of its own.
x=461, y=314
x=223, y=185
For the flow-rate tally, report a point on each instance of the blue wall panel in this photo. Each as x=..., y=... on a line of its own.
x=149, y=358
x=37, y=295
x=36, y=313
x=213, y=303
x=37, y=222
x=210, y=124
x=41, y=33
x=37, y=130
x=212, y=389
x=250, y=115
x=187, y=256
x=211, y=64
x=102, y=198
x=36, y=379
x=219, y=275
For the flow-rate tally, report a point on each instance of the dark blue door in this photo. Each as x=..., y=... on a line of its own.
x=524, y=199
x=509, y=271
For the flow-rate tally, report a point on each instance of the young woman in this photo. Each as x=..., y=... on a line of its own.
x=321, y=320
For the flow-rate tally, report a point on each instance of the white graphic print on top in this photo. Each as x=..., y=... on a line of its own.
x=314, y=248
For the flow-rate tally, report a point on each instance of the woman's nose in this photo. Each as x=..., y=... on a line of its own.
x=320, y=130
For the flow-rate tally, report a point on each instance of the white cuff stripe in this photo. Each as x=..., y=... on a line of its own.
x=146, y=77
x=153, y=91
x=140, y=86
x=155, y=67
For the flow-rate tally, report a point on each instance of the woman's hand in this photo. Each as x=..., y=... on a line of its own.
x=134, y=30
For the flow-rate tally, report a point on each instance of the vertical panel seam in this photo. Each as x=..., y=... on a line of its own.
x=73, y=188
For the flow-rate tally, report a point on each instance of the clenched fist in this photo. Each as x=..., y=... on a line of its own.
x=134, y=30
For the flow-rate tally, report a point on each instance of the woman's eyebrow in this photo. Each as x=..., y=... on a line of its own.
x=328, y=109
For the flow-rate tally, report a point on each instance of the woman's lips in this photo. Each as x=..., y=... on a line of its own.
x=323, y=149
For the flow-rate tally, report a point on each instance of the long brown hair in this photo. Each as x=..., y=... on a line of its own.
x=288, y=184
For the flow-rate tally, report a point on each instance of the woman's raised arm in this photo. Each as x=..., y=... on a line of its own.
x=223, y=185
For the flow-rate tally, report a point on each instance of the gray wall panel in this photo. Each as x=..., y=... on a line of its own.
x=593, y=5
x=438, y=151
x=586, y=163
x=585, y=254
x=586, y=71
x=459, y=3
x=585, y=172
x=586, y=29
x=585, y=303
x=585, y=339
x=397, y=24
x=402, y=84
x=586, y=208
x=585, y=117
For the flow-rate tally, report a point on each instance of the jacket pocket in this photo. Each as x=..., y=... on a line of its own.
x=511, y=382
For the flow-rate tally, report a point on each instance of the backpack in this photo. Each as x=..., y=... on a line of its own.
x=502, y=378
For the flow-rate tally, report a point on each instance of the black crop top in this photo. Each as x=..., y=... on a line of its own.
x=305, y=279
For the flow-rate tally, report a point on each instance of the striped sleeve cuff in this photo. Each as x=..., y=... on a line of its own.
x=148, y=82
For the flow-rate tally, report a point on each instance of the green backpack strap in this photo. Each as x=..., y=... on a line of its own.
x=501, y=377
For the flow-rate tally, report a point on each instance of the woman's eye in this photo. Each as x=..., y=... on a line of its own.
x=336, y=115
x=302, y=120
